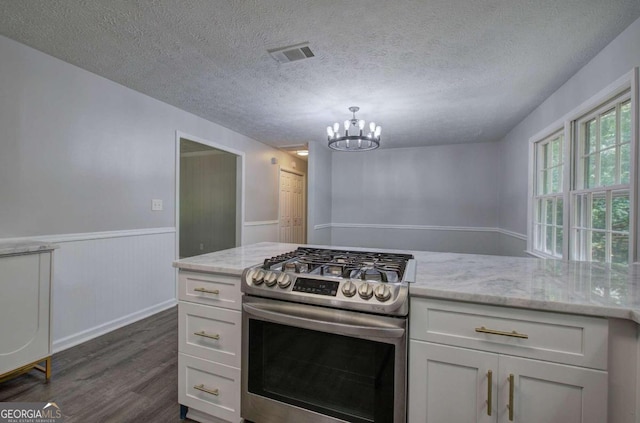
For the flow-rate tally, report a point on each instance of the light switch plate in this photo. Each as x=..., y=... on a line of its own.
x=156, y=205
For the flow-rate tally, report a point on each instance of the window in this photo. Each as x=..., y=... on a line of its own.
x=582, y=189
x=601, y=198
x=549, y=200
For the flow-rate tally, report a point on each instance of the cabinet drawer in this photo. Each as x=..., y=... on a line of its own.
x=209, y=332
x=562, y=338
x=209, y=387
x=210, y=288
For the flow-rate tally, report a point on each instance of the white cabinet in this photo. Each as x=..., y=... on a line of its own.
x=209, y=330
x=467, y=375
x=25, y=331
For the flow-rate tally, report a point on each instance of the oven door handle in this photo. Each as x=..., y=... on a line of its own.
x=334, y=321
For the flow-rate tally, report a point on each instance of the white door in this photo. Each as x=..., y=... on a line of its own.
x=450, y=384
x=551, y=393
x=291, y=207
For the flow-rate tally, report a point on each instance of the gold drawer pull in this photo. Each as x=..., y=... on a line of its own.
x=510, y=405
x=489, y=391
x=206, y=335
x=207, y=291
x=512, y=334
x=208, y=391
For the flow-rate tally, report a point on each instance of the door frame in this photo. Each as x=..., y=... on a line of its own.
x=240, y=185
x=304, y=199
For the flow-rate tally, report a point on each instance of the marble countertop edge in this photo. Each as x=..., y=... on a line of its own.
x=25, y=247
x=595, y=310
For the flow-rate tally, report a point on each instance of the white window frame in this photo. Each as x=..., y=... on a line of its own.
x=553, y=196
x=629, y=81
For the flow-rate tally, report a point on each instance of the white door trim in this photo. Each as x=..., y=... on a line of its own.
x=240, y=185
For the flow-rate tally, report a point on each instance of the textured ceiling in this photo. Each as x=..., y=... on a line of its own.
x=429, y=72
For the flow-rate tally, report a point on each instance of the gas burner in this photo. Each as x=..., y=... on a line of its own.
x=371, y=282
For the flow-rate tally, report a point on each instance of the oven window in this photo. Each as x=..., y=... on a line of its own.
x=339, y=376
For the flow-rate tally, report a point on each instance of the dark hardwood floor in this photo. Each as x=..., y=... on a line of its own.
x=128, y=375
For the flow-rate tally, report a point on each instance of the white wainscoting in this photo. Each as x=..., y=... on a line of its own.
x=106, y=280
x=260, y=231
x=456, y=239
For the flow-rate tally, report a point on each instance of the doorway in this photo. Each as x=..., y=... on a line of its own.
x=208, y=197
x=292, y=222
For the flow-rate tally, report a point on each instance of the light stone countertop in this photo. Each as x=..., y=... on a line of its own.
x=24, y=247
x=549, y=285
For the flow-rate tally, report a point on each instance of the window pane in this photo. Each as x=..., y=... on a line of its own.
x=538, y=217
x=625, y=155
x=608, y=129
x=549, y=211
x=590, y=171
x=559, y=242
x=544, y=182
x=556, y=179
x=619, y=248
x=598, y=212
x=559, y=212
x=590, y=136
x=625, y=122
x=608, y=167
x=598, y=246
x=556, y=152
x=620, y=212
x=549, y=240
x=545, y=156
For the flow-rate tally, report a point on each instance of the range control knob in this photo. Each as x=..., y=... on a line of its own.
x=365, y=291
x=258, y=277
x=382, y=293
x=284, y=280
x=349, y=289
x=270, y=279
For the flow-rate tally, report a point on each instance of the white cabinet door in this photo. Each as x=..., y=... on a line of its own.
x=449, y=384
x=24, y=310
x=551, y=393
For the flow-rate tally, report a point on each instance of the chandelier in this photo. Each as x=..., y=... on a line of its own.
x=354, y=138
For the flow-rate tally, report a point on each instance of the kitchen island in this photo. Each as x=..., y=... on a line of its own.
x=582, y=319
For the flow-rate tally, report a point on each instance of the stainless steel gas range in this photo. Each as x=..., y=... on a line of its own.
x=325, y=337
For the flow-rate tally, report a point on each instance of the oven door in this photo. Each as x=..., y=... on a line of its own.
x=304, y=363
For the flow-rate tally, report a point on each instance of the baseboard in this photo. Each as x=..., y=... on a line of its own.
x=87, y=335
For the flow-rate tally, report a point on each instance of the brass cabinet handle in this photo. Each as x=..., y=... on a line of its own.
x=206, y=335
x=512, y=334
x=489, y=391
x=510, y=405
x=208, y=391
x=207, y=291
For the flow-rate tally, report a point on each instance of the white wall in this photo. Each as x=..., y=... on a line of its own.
x=439, y=198
x=319, y=195
x=618, y=58
x=82, y=155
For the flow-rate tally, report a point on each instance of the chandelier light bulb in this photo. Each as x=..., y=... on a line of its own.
x=372, y=126
x=346, y=125
x=330, y=131
x=336, y=127
x=378, y=131
x=361, y=124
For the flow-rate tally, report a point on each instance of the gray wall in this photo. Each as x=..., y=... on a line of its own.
x=439, y=198
x=618, y=58
x=319, y=195
x=207, y=202
x=79, y=153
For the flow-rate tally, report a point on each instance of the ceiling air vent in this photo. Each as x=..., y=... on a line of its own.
x=291, y=53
